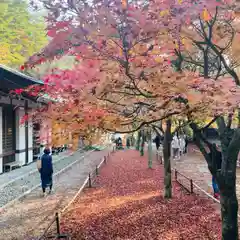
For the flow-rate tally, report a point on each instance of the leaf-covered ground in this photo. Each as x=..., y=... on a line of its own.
x=127, y=203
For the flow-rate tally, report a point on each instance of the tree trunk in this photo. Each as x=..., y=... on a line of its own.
x=229, y=211
x=167, y=162
x=150, y=149
x=225, y=176
x=142, y=144
x=138, y=141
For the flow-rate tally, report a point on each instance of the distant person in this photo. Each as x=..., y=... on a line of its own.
x=175, y=147
x=128, y=142
x=186, y=143
x=120, y=145
x=46, y=171
x=182, y=145
x=133, y=141
x=218, y=157
x=157, y=141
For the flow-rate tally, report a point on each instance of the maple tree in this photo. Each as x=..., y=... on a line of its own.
x=125, y=76
x=213, y=51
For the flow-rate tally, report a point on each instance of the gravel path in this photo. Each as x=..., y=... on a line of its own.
x=13, y=175
x=28, y=217
x=16, y=188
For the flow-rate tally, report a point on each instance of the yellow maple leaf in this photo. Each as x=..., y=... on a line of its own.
x=205, y=15
x=164, y=12
x=158, y=59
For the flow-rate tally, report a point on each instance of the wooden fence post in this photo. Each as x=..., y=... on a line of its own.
x=58, y=224
x=105, y=159
x=175, y=174
x=96, y=170
x=89, y=180
x=191, y=185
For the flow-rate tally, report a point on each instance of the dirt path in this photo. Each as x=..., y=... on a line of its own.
x=128, y=204
x=27, y=218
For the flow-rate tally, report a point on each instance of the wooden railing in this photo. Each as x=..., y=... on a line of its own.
x=184, y=181
x=188, y=184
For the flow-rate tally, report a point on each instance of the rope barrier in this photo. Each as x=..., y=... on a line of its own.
x=206, y=193
x=75, y=196
x=81, y=188
x=58, y=215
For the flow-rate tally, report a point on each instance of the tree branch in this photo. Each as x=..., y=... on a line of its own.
x=143, y=124
x=209, y=124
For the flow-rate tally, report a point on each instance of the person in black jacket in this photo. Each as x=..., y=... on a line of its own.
x=186, y=143
x=218, y=157
x=157, y=141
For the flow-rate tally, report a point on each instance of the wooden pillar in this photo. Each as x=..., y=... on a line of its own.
x=26, y=131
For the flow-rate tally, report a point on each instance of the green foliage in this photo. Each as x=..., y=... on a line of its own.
x=188, y=131
x=21, y=34
x=66, y=62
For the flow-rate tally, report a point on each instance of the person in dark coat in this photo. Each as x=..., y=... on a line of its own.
x=46, y=171
x=128, y=142
x=218, y=156
x=157, y=141
x=186, y=143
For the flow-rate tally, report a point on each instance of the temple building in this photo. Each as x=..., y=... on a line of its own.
x=18, y=142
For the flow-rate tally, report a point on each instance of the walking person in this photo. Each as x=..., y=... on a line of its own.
x=218, y=156
x=128, y=142
x=182, y=145
x=175, y=147
x=186, y=143
x=133, y=141
x=46, y=171
x=157, y=141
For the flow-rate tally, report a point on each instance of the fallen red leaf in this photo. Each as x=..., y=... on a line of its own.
x=128, y=204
